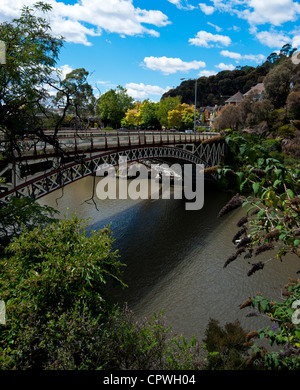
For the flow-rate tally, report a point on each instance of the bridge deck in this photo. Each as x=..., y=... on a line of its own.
x=94, y=142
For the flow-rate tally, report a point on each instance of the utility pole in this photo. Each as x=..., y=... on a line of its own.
x=195, y=105
x=195, y=115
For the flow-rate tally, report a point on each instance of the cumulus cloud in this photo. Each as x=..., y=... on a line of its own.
x=273, y=39
x=142, y=91
x=257, y=12
x=169, y=65
x=204, y=38
x=223, y=66
x=206, y=73
x=88, y=18
x=207, y=9
x=275, y=12
x=237, y=56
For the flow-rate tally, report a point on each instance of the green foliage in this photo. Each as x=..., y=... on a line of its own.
x=286, y=131
x=226, y=347
x=112, y=106
x=31, y=55
x=181, y=117
x=277, y=83
x=22, y=213
x=285, y=331
x=213, y=89
x=51, y=269
x=59, y=316
x=272, y=199
x=75, y=94
x=165, y=105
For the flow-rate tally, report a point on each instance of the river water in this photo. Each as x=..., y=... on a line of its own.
x=174, y=258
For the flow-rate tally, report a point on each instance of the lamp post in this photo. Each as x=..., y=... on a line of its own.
x=195, y=103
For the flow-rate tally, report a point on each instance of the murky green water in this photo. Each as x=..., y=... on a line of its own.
x=174, y=258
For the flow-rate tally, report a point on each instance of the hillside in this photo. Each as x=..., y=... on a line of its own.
x=214, y=90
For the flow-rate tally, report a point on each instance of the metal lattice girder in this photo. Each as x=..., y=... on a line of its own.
x=39, y=185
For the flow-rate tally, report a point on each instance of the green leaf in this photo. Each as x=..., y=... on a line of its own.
x=256, y=187
x=277, y=182
x=297, y=333
x=290, y=193
x=261, y=213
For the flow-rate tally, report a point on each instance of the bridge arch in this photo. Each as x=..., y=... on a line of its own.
x=40, y=185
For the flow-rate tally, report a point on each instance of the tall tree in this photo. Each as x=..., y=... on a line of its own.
x=278, y=83
x=167, y=104
x=182, y=117
x=148, y=115
x=75, y=94
x=31, y=55
x=112, y=106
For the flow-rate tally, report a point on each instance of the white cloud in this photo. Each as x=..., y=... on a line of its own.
x=257, y=12
x=86, y=18
x=64, y=70
x=179, y=4
x=223, y=66
x=230, y=54
x=206, y=73
x=296, y=41
x=203, y=38
x=275, y=12
x=169, y=65
x=207, y=9
x=237, y=56
x=273, y=39
x=142, y=91
x=218, y=29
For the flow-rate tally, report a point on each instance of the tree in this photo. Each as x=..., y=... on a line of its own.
x=132, y=117
x=31, y=55
x=293, y=104
x=21, y=214
x=181, y=117
x=165, y=105
x=112, y=106
x=76, y=96
x=148, y=115
x=278, y=83
x=229, y=118
x=59, y=315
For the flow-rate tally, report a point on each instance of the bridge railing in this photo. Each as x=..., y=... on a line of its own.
x=105, y=140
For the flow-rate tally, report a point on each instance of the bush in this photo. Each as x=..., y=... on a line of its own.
x=227, y=348
x=53, y=281
x=286, y=131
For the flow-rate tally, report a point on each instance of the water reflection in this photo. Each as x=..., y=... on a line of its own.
x=174, y=258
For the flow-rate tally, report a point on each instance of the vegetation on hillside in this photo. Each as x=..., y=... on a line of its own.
x=215, y=90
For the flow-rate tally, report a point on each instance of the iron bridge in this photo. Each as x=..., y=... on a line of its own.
x=39, y=169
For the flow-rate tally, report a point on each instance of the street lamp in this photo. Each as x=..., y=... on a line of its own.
x=195, y=103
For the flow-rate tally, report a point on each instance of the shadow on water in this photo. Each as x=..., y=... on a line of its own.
x=155, y=236
x=175, y=258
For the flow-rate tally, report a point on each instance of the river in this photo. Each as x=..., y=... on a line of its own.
x=174, y=258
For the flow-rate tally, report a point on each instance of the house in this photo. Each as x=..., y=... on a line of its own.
x=235, y=99
x=256, y=92
x=208, y=114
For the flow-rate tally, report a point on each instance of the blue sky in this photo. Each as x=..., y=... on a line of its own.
x=147, y=46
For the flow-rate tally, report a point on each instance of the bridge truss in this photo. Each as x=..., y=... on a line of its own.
x=85, y=160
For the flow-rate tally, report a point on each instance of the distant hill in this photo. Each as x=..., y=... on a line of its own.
x=214, y=90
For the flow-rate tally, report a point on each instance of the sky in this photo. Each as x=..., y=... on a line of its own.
x=149, y=46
